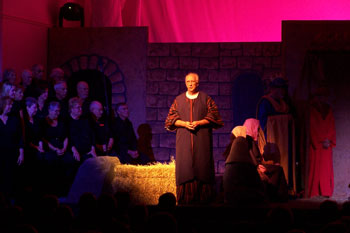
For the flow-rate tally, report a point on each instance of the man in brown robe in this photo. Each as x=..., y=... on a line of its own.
x=193, y=115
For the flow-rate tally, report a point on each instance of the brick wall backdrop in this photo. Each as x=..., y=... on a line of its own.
x=217, y=64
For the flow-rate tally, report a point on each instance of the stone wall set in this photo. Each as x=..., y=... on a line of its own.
x=217, y=64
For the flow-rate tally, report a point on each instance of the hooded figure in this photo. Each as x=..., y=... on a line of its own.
x=242, y=183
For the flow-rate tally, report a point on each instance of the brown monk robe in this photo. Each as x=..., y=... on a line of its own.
x=193, y=117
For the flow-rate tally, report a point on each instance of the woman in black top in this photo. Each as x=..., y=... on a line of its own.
x=33, y=134
x=11, y=145
x=34, y=148
x=58, y=160
x=81, y=137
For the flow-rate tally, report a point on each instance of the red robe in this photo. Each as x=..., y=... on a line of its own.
x=321, y=180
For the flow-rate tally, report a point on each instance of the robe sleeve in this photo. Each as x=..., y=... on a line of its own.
x=172, y=117
x=213, y=115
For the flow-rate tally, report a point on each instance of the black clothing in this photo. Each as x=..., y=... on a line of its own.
x=42, y=113
x=60, y=169
x=31, y=91
x=17, y=106
x=81, y=135
x=242, y=184
x=11, y=134
x=11, y=140
x=55, y=135
x=102, y=133
x=64, y=112
x=243, y=158
x=33, y=131
x=86, y=108
x=124, y=139
x=31, y=167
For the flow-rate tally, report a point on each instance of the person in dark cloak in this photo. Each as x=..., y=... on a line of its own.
x=241, y=180
x=193, y=115
x=125, y=140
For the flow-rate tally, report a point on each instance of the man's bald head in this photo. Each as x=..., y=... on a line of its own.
x=83, y=90
x=96, y=109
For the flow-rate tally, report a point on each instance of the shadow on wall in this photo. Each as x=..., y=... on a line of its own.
x=247, y=89
x=144, y=142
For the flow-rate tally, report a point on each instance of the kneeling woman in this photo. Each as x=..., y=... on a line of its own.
x=242, y=183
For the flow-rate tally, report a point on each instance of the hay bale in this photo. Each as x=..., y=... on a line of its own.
x=145, y=183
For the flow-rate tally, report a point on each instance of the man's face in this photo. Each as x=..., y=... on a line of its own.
x=12, y=92
x=38, y=72
x=27, y=78
x=44, y=95
x=77, y=110
x=97, y=110
x=7, y=108
x=61, y=91
x=191, y=83
x=123, y=111
x=83, y=90
x=12, y=77
x=54, y=112
x=32, y=110
x=19, y=94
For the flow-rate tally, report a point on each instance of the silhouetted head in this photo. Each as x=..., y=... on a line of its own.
x=167, y=202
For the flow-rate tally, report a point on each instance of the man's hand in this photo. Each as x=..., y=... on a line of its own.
x=40, y=148
x=189, y=125
x=92, y=152
x=262, y=168
x=60, y=151
x=195, y=124
x=20, y=157
x=76, y=154
x=326, y=144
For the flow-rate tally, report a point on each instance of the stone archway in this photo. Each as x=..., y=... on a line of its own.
x=106, y=80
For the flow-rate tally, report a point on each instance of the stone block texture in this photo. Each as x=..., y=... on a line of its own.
x=217, y=65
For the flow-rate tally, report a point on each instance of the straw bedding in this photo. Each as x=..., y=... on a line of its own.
x=145, y=183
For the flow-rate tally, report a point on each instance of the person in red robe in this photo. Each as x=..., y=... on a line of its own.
x=193, y=115
x=322, y=141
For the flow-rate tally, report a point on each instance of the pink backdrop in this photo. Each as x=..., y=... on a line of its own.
x=225, y=20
